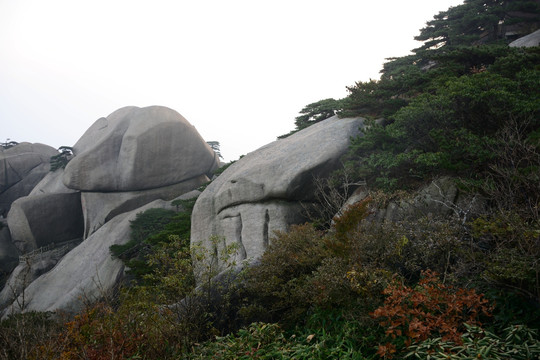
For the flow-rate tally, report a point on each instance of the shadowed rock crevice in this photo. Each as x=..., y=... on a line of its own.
x=266, y=229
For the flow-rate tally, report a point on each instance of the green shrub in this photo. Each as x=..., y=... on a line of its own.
x=145, y=224
x=348, y=267
x=515, y=343
x=270, y=341
x=509, y=252
x=276, y=282
x=151, y=231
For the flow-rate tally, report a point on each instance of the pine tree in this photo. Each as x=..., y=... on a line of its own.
x=478, y=22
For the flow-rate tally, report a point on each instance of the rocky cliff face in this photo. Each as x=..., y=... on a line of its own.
x=134, y=159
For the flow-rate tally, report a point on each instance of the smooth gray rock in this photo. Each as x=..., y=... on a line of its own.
x=21, y=168
x=531, y=40
x=51, y=183
x=26, y=271
x=137, y=149
x=38, y=220
x=86, y=273
x=262, y=191
x=98, y=207
x=252, y=226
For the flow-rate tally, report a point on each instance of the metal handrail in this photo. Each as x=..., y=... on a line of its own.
x=38, y=253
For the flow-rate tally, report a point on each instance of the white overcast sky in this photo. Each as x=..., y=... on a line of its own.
x=239, y=71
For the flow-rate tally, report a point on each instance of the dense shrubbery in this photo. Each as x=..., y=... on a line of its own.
x=451, y=130
x=320, y=287
x=21, y=335
x=515, y=343
x=464, y=104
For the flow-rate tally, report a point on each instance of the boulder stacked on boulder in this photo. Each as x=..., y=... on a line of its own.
x=22, y=166
x=134, y=156
x=122, y=163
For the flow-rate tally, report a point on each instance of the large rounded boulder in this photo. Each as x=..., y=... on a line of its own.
x=138, y=149
x=263, y=192
x=21, y=168
x=40, y=220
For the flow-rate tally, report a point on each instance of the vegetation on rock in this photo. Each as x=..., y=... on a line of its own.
x=60, y=161
x=464, y=105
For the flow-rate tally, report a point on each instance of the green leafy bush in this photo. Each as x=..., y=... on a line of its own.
x=509, y=252
x=275, y=283
x=515, y=343
x=150, y=231
x=270, y=341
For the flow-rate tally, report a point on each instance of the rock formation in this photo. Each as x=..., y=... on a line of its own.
x=30, y=267
x=9, y=256
x=39, y=220
x=137, y=149
x=21, y=168
x=85, y=273
x=440, y=197
x=52, y=184
x=263, y=191
x=99, y=207
x=134, y=159
x=134, y=156
x=530, y=40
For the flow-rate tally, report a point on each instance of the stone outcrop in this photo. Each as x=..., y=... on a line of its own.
x=21, y=168
x=28, y=268
x=440, y=197
x=52, y=184
x=86, y=273
x=135, y=159
x=134, y=156
x=101, y=207
x=39, y=220
x=137, y=149
x=530, y=40
x=263, y=191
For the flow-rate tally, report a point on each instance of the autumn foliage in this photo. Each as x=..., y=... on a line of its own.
x=411, y=315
